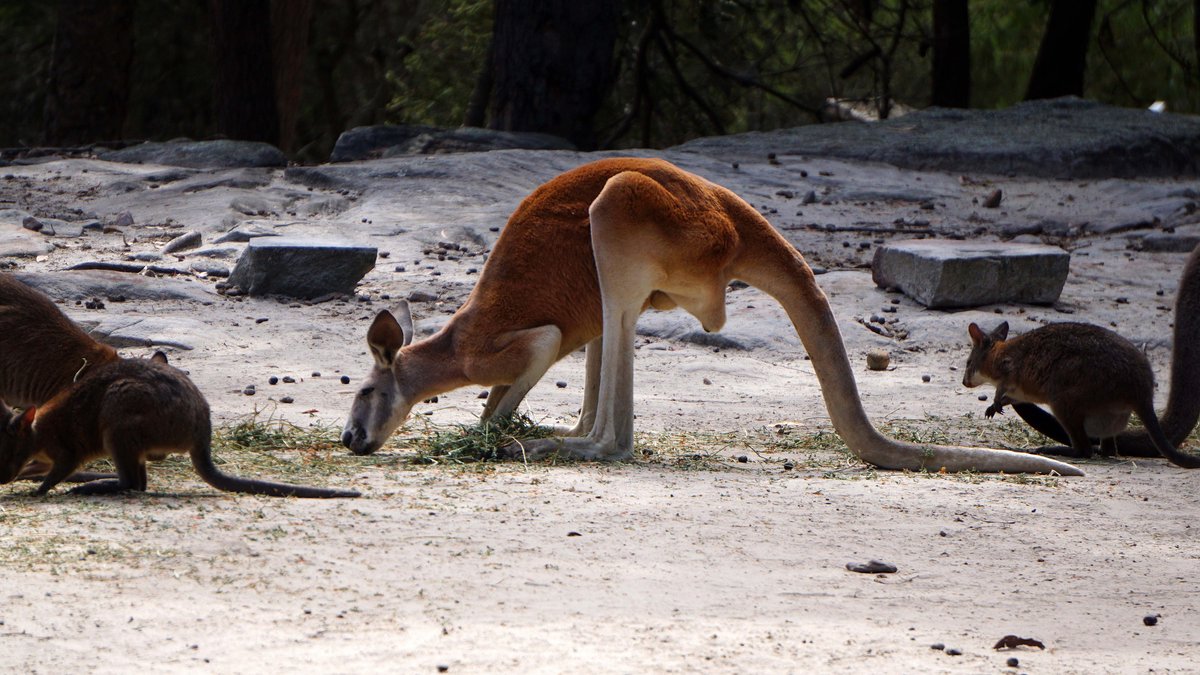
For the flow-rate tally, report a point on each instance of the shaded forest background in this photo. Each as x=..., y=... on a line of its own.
x=602, y=73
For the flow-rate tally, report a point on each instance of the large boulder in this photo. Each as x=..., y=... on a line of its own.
x=417, y=139
x=943, y=274
x=219, y=154
x=301, y=268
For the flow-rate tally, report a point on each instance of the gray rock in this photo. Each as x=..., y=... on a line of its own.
x=1169, y=243
x=219, y=252
x=208, y=268
x=53, y=227
x=1061, y=138
x=941, y=274
x=145, y=256
x=183, y=242
x=23, y=244
x=392, y=141
x=97, y=283
x=200, y=154
x=252, y=205
x=243, y=234
x=142, y=331
x=681, y=327
x=301, y=268
x=14, y=216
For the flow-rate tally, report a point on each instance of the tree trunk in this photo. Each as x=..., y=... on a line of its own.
x=290, y=21
x=1062, y=57
x=88, y=92
x=952, y=54
x=553, y=64
x=244, y=89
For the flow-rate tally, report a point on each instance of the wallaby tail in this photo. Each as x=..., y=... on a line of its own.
x=1155, y=431
x=779, y=270
x=203, y=463
x=1045, y=423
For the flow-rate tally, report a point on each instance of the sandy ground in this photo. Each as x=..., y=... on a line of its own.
x=655, y=565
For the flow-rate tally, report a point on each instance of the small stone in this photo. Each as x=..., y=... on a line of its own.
x=261, y=320
x=286, y=399
x=952, y=651
x=707, y=381
x=288, y=379
x=1012, y=662
x=1150, y=619
x=742, y=459
x=249, y=391
x=993, y=200
x=810, y=197
x=926, y=377
x=316, y=373
x=273, y=380
x=482, y=394
x=345, y=379
x=938, y=646
x=443, y=667
x=983, y=397
x=788, y=465
x=878, y=359
x=561, y=384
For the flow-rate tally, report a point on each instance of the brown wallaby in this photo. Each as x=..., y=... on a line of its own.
x=41, y=353
x=128, y=410
x=1090, y=377
x=1183, y=400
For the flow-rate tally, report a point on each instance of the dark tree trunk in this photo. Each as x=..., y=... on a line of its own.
x=1062, y=57
x=951, y=54
x=290, y=21
x=244, y=90
x=89, y=71
x=553, y=64
x=476, y=115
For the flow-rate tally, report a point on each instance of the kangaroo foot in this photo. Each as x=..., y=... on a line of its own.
x=99, y=487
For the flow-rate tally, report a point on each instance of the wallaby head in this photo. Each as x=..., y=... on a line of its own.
x=982, y=344
x=383, y=402
x=15, y=441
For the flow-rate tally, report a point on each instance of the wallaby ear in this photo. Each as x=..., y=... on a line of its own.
x=385, y=337
x=159, y=357
x=1001, y=332
x=27, y=418
x=976, y=333
x=404, y=317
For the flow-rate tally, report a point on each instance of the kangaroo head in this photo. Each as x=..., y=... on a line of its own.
x=981, y=345
x=383, y=402
x=15, y=441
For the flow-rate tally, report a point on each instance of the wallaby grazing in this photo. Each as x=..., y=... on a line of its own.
x=129, y=410
x=578, y=261
x=1091, y=378
x=1183, y=399
x=41, y=353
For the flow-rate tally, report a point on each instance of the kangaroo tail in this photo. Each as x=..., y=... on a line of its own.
x=779, y=270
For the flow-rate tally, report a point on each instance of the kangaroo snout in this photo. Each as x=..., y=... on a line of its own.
x=356, y=440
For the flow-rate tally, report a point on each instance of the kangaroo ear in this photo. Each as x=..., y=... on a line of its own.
x=1001, y=332
x=159, y=357
x=385, y=337
x=976, y=333
x=404, y=317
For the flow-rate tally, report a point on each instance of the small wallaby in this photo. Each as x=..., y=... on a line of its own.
x=1091, y=378
x=129, y=410
x=1183, y=399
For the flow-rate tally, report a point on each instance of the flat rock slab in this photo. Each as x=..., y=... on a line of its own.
x=81, y=285
x=1059, y=138
x=145, y=331
x=200, y=154
x=23, y=244
x=942, y=274
x=301, y=268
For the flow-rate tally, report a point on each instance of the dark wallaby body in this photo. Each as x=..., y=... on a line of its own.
x=41, y=353
x=129, y=410
x=1090, y=377
x=1183, y=399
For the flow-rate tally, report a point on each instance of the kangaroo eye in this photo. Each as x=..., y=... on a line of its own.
x=366, y=391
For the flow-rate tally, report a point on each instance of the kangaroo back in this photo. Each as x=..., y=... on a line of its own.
x=41, y=350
